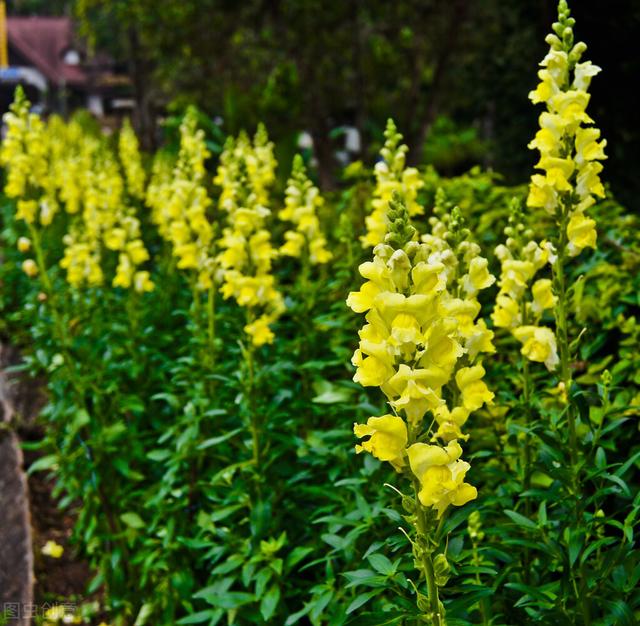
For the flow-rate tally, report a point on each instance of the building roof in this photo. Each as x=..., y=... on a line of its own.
x=43, y=41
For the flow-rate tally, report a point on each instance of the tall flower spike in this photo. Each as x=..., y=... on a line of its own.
x=131, y=161
x=570, y=148
x=302, y=201
x=420, y=344
x=391, y=177
x=245, y=174
x=25, y=154
x=180, y=203
x=412, y=346
x=521, y=302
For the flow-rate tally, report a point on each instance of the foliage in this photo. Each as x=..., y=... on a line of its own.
x=210, y=463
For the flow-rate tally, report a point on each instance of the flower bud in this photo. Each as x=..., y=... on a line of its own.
x=24, y=244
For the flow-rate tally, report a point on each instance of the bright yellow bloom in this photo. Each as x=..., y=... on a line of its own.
x=24, y=244
x=506, y=313
x=52, y=549
x=387, y=439
x=415, y=334
x=539, y=344
x=259, y=330
x=30, y=268
x=179, y=203
x=582, y=234
x=441, y=475
x=474, y=391
x=543, y=297
x=478, y=277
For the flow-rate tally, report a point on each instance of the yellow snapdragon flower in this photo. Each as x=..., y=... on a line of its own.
x=302, y=201
x=521, y=302
x=129, y=153
x=245, y=173
x=412, y=347
x=569, y=150
x=180, y=203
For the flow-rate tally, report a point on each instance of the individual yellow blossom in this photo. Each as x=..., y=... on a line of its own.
x=387, y=439
x=478, y=277
x=474, y=391
x=543, y=297
x=55, y=613
x=506, y=313
x=441, y=474
x=52, y=549
x=422, y=456
x=581, y=232
x=142, y=282
x=115, y=239
x=539, y=344
x=450, y=423
x=30, y=268
x=515, y=277
x=24, y=244
x=480, y=340
x=27, y=210
x=259, y=330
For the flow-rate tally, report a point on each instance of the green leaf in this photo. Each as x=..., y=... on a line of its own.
x=269, y=603
x=362, y=599
x=382, y=564
x=200, y=617
x=133, y=520
x=43, y=463
x=576, y=541
x=227, y=600
x=214, y=441
x=144, y=614
x=520, y=520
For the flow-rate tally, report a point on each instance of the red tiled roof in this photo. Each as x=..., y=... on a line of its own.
x=43, y=41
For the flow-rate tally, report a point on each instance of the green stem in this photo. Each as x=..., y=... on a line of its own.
x=527, y=385
x=250, y=392
x=427, y=560
x=561, y=315
x=211, y=325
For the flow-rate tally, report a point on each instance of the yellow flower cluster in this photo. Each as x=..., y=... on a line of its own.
x=420, y=345
x=245, y=175
x=104, y=221
x=60, y=164
x=179, y=202
x=302, y=200
x=521, y=302
x=25, y=156
x=131, y=160
x=391, y=177
x=569, y=151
